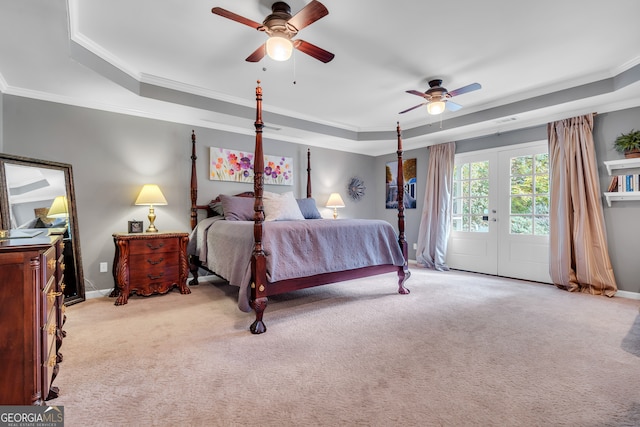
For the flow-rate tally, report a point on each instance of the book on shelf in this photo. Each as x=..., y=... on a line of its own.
x=625, y=183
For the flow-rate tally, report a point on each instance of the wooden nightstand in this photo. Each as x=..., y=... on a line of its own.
x=149, y=263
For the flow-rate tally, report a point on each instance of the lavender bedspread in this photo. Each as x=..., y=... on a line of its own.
x=293, y=248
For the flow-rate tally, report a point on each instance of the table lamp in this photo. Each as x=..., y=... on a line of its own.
x=151, y=195
x=335, y=202
x=59, y=208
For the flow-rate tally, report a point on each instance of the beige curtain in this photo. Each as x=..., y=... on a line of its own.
x=433, y=233
x=579, y=256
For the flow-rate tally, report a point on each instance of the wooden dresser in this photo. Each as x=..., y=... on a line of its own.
x=149, y=263
x=31, y=318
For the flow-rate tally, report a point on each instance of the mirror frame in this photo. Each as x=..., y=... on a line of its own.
x=5, y=213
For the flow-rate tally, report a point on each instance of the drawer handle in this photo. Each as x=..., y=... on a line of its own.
x=152, y=277
x=152, y=262
x=52, y=295
x=51, y=264
x=150, y=246
x=52, y=329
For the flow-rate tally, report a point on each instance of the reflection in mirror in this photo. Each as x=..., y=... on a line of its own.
x=37, y=194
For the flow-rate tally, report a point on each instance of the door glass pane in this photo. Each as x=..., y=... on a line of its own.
x=541, y=225
x=521, y=205
x=471, y=197
x=529, y=195
x=479, y=225
x=521, y=224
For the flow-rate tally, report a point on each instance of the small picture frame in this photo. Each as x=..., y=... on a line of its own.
x=135, y=227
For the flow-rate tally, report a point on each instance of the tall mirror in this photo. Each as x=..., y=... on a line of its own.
x=39, y=194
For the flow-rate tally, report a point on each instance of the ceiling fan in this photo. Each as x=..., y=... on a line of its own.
x=281, y=27
x=438, y=97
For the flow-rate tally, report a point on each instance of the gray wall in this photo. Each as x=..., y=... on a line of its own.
x=113, y=155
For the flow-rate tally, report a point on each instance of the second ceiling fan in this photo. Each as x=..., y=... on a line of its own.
x=437, y=97
x=281, y=27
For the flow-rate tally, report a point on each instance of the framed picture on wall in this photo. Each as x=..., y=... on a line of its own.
x=237, y=166
x=391, y=186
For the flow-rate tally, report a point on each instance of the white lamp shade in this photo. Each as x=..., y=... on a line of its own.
x=151, y=195
x=59, y=208
x=279, y=48
x=335, y=201
x=436, y=107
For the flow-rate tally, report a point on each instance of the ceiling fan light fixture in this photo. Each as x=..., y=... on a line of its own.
x=279, y=48
x=436, y=107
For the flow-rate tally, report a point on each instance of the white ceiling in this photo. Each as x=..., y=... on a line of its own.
x=175, y=60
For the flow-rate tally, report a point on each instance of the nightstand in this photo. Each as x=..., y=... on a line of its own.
x=149, y=263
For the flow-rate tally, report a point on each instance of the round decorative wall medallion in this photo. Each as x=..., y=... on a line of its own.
x=355, y=188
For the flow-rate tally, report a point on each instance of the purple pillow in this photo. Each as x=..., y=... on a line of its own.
x=237, y=208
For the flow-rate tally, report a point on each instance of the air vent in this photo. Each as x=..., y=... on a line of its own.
x=506, y=120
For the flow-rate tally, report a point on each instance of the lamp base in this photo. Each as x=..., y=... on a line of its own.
x=335, y=213
x=152, y=217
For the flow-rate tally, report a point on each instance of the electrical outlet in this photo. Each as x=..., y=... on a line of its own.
x=415, y=246
x=103, y=267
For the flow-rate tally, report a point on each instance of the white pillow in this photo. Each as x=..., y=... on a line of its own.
x=280, y=207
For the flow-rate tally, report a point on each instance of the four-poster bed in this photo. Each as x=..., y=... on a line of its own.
x=266, y=258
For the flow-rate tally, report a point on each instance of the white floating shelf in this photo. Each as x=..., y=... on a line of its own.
x=620, y=196
x=621, y=164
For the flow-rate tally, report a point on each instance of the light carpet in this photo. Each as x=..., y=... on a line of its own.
x=460, y=350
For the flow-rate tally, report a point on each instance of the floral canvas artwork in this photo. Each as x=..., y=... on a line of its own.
x=238, y=166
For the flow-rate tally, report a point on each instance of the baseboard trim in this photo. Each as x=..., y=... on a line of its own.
x=97, y=294
x=629, y=295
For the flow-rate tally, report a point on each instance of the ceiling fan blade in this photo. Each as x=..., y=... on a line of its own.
x=412, y=108
x=417, y=92
x=313, y=50
x=465, y=89
x=452, y=106
x=234, y=17
x=308, y=15
x=258, y=54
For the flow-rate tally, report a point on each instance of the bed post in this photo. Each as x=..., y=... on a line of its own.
x=403, y=272
x=308, y=173
x=258, y=262
x=194, y=182
x=194, y=262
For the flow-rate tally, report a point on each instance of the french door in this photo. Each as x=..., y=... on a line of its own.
x=500, y=215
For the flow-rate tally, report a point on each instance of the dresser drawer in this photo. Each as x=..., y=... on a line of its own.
x=49, y=335
x=49, y=363
x=156, y=274
x=51, y=260
x=49, y=297
x=149, y=246
x=159, y=259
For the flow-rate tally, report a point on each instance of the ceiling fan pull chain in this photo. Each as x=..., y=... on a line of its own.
x=294, y=68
